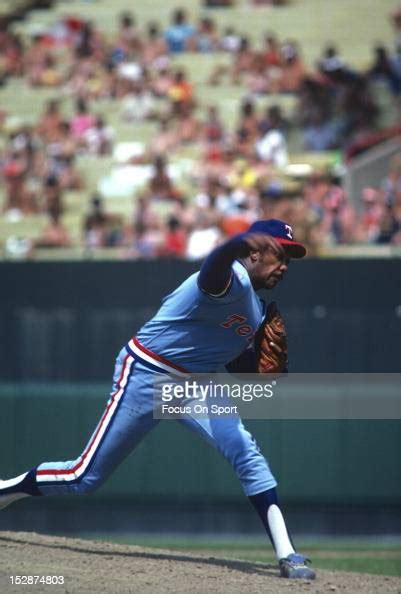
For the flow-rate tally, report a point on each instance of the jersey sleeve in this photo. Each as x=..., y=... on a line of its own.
x=238, y=284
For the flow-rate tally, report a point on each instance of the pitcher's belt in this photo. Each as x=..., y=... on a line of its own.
x=152, y=360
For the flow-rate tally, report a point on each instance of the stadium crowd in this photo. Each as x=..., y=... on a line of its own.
x=239, y=174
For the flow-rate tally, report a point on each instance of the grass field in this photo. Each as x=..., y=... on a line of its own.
x=365, y=556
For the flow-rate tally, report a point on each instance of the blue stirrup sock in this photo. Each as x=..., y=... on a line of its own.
x=266, y=504
x=24, y=483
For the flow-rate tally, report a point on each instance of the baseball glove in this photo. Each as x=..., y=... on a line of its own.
x=271, y=343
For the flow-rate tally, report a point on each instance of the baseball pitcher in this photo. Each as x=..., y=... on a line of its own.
x=210, y=320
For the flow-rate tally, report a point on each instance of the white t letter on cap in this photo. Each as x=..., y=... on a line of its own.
x=289, y=231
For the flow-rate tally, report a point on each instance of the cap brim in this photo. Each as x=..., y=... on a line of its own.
x=295, y=249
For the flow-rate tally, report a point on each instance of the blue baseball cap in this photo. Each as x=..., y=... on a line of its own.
x=282, y=233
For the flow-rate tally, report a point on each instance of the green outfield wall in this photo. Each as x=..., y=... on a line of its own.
x=67, y=321
x=331, y=461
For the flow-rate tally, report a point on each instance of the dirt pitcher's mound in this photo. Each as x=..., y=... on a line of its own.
x=86, y=566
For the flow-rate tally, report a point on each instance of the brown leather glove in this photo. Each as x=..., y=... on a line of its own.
x=271, y=343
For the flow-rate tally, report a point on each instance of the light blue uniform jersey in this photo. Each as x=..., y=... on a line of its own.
x=201, y=333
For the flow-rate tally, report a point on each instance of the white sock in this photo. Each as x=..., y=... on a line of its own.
x=278, y=530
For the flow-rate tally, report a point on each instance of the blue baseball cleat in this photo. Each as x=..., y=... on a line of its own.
x=295, y=567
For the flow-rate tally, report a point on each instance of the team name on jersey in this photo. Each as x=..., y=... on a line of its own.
x=237, y=322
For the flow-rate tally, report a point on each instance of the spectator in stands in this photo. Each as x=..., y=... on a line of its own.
x=95, y=87
x=243, y=63
x=179, y=34
x=175, y=239
x=321, y=134
x=248, y=119
x=12, y=53
x=368, y=227
x=181, y=93
x=213, y=129
x=328, y=211
x=99, y=138
x=101, y=229
x=340, y=216
x=154, y=47
x=243, y=144
x=48, y=126
x=54, y=234
x=162, y=81
x=34, y=59
x=246, y=132
x=314, y=191
x=161, y=186
x=69, y=30
x=390, y=227
x=205, y=38
x=391, y=185
x=188, y=127
x=129, y=71
x=257, y=81
x=213, y=135
x=273, y=119
x=242, y=179
x=144, y=211
x=315, y=115
x=147, y=241
x=138, y=104
x=164, y=141
x=230, y=40
x=52, y=196
x=267, y=67
x=271, y=50
x=60, y=158
x=110, y=81
x=18, y=198
x=271, y=147
x=203, y=237
x=234, y=176
x=358, y=107
x=90, y=43
x=81, y=121
x=383, y=69
x=234, y=224
x=128, y=37
x=85, y=79
x=292, y=69
x=95, y=222
x=213, y=198
x=232, y=209
x=46, y=74
x=333, y=67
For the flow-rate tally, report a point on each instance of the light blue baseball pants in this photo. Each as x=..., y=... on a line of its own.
x=125, y=422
